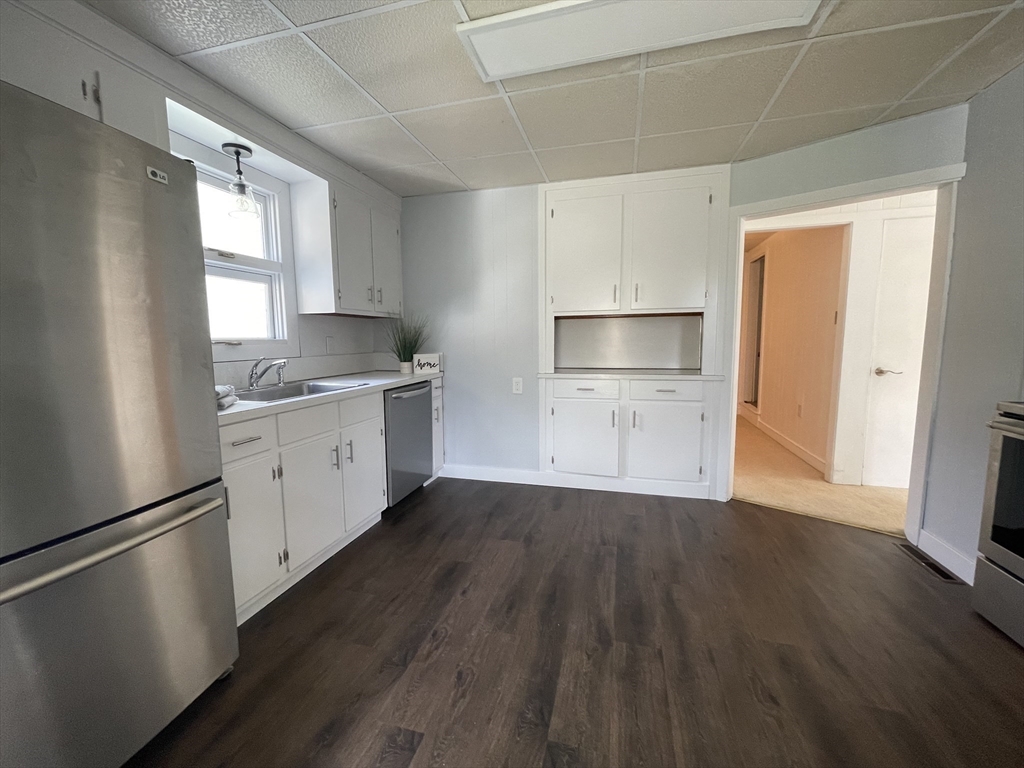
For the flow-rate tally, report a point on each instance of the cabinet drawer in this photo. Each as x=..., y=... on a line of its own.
x=666, y=390
x=603, y=389
x=436, y=386
x=250, y=437
x=361, y=408
x=306, y=422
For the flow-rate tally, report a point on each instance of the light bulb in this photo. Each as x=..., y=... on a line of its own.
x=244, y=206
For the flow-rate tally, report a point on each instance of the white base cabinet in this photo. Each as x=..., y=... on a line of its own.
x=312, y=498
x=665, y=441
x=363, y=477
x=437, y=416
x=585, y=437
x=255, y=525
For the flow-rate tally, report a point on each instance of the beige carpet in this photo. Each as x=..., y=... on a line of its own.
x=768, y=474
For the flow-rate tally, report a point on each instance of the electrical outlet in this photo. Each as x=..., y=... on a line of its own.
x=517, y=386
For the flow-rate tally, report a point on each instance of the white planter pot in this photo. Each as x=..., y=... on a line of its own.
x=405, y=367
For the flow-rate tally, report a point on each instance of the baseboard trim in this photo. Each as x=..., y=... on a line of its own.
x=262, y=600
x=794, y=448
x=948, y=557
x=585, y=482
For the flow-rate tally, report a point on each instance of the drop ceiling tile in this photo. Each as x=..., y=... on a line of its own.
x=581, y=113
x=777, y=135
x=736, y=43
x=480, y=9
x=183, y=26
x=917, y=106
x=705, y=94
x=572, y=74
x=588, y=161
x=872, y=68
x=288, y=80
x=413, y=180
x=851, y=15
x=499, y=171
x=366, y=144
x=686, y=150
x=470, y=129
x=308, y=11
x=406, y=58
x=986, y=60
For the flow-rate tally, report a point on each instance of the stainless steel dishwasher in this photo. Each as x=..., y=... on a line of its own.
x=410, y=440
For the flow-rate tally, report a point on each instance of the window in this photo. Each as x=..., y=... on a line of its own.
x=244, y=276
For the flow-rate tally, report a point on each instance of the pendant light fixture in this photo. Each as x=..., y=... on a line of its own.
x=245, y=204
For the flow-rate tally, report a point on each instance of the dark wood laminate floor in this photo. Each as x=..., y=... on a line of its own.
x=488, y=624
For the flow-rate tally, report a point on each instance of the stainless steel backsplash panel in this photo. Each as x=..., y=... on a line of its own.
x=669, y=342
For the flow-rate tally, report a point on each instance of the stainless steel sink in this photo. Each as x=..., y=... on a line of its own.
x=291, y=391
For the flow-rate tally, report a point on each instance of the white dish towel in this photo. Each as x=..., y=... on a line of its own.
x=225, y=396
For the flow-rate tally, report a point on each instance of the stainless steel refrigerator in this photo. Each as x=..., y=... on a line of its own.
x=116, y=605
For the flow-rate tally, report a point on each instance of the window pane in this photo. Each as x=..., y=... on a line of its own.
x=239, y=308
x=224, y=233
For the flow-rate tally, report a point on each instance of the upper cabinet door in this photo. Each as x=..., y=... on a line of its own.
x=387, y=262
x=354, y=253
x=670, y=248
x=584, y=253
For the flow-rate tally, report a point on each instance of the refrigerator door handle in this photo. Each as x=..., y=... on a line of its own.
x=32, y=584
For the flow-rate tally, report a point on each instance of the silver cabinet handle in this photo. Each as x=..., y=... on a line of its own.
x=410, y=393
x=613, y=419
x=615, y=293
x=237, y=443
x=380, y=295
x=351, y=452
x=369, y=294
x=634, y=419
x=437, y=415
x=336, y=461
x=636, y=293
x=95, y=558
x=584, y=389
x=664, y=390
x=883, y=371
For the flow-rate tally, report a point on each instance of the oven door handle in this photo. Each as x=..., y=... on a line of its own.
x=1013, y=427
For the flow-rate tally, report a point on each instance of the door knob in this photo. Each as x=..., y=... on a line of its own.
x=883, y=371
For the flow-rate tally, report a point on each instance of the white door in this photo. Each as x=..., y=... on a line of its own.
x=665, y=440
x=670, y=248
x=584, y=254
x=362, y=451
x=313, y=512
x=256, y=526
x=354, y=253
x=387, y=262
x=900, y=311
x=437, y=414
x=585, y=437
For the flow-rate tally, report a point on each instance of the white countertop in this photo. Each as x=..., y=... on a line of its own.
x=376, y=381
x=645, y=375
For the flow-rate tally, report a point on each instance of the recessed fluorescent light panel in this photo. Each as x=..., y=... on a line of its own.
x=569, y=32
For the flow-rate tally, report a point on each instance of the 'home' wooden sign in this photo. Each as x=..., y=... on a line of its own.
x=422, y=364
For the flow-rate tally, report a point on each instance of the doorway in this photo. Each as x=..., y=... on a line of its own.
x=832, y=327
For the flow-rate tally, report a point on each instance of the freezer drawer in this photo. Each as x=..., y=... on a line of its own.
x=94, y=665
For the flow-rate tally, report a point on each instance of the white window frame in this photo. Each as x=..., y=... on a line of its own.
x=213, y=166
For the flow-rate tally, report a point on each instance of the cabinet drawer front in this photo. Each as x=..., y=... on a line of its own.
x=361, y=408
x=306, y=422
x=248, y=438
x=666, y=390
x=436, y=386
x=603, y=389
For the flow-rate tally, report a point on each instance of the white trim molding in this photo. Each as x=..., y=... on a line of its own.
x=568, y=480
x=950, y=558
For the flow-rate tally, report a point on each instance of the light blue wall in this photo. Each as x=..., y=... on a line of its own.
x=469, y=264
x=983, y=348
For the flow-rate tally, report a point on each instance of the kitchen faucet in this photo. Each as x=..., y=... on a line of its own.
x=255, y=374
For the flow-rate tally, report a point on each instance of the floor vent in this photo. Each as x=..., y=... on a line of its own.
x=922, y=559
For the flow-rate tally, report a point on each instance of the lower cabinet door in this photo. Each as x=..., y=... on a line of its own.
x=665, y=440
x=362, y=461
x=437, y=423
x=256, y=526
x=585, y=437
x=313, y=508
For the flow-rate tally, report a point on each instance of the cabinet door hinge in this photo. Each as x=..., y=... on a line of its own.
x=705, y=294
x=334, y=201
x=552, y=411
x=700, y=470
x=710, y=198
x=552, y=459
x=702, y=415
x=227, y=502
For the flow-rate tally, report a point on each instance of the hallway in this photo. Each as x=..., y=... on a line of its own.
x=768, y=474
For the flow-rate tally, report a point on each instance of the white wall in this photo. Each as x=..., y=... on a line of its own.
x=983, y=350
x=469, y=264
x=48, y=47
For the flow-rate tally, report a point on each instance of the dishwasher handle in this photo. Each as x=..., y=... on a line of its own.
x=410, y=393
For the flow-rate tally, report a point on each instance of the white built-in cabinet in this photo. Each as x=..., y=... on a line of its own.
x=584, y=246
x=348, y=257
x=585, y=437
x=665, y=440
x=437, y=424
x=299, y=484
